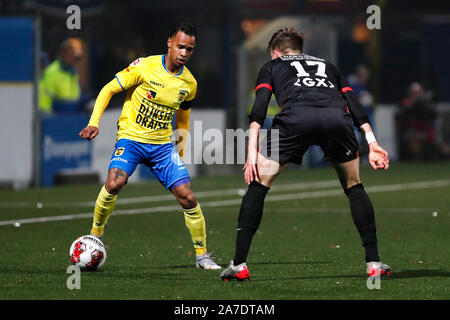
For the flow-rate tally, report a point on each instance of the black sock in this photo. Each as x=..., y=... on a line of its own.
x=250, y=216
x=364, y=218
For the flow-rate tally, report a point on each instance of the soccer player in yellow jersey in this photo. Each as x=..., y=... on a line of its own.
x=157, y=88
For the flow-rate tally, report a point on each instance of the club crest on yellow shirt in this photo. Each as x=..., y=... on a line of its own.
x=182, y=95
x=119, y=151
x=151, y=94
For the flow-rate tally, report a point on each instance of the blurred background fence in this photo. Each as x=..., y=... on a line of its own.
x=401, y=73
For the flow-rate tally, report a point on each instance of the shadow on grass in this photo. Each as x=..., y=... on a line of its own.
x=161, y=272
x=411, y=274
x=189, y=266
x=36, y=270
x=335, y=276
x=395, y=275
x=108, y=272
x=290, y=262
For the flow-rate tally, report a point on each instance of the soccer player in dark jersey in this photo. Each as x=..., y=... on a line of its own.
x=318, y=107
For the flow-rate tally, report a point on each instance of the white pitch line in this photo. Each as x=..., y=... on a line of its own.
x=339, y=210
x=373, y=189
x=233, y=202
x=170, y=196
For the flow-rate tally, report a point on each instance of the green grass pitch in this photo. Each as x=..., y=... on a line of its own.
x=306, y=248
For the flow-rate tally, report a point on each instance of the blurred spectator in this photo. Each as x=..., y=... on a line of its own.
x=209, y=93
x=59, y=87
x=359, y=82
x=272, y=109
x=44, y=60
x=415, y=126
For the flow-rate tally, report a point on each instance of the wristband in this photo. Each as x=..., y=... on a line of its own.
x=370, y=137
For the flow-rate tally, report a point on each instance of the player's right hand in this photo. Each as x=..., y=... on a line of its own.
x=250, y=169
x=89, y=132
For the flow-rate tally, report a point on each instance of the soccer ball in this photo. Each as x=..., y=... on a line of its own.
x=88, y=253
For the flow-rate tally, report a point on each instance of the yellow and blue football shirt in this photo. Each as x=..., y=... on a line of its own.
x=153, y=95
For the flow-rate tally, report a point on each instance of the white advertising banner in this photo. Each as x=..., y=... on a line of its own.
x=16, y=140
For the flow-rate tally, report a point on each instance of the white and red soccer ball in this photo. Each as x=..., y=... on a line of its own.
x=88, y=253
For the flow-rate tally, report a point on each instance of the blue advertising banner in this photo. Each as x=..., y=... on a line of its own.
x=16, y=55
x=61, y=147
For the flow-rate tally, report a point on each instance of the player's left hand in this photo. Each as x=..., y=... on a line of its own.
x=378, y=157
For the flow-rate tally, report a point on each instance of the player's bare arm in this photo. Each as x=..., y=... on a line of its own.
x=263, y=93
x=250, y=168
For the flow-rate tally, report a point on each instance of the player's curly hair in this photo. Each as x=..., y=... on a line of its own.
x=187, y=27
x=284, y=39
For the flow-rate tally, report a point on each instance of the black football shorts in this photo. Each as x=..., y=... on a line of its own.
x=294, y=129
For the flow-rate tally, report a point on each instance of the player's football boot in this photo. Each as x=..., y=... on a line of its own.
x=239, y=272
x=377, y=268
x=206, y=262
